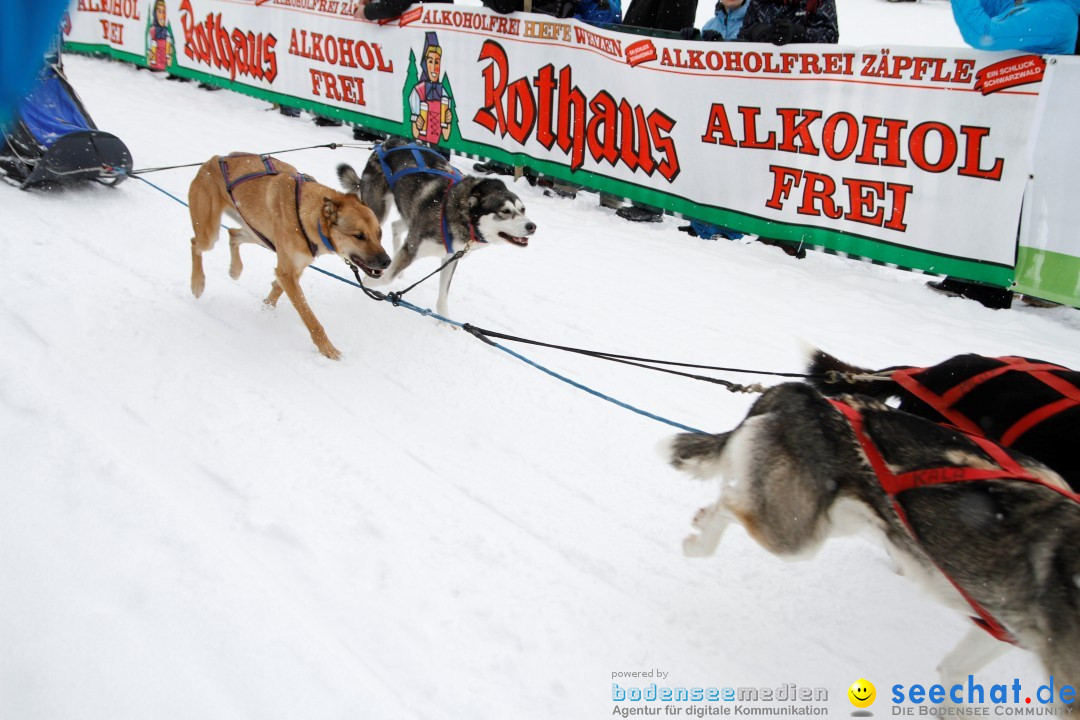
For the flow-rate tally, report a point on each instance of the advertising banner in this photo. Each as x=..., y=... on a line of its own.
x=910, y=156
x=1048, y=265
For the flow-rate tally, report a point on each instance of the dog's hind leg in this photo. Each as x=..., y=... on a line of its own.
x=403, y=258
x=237, y=237
x=711, y=522
x=275, y=294
x=976, y=650
x=398, y=228
x=205, y=209
x=1057, y=637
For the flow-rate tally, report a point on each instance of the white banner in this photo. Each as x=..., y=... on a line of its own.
x=914, y=156
x=1049, y=258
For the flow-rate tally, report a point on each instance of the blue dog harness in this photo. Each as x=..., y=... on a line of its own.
x=453, y=177
x=269, y=170
x=421, y=166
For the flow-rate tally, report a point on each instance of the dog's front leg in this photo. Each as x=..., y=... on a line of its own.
x=976, y=650
x=711, y=522
x=445, y=277
x=289, y=281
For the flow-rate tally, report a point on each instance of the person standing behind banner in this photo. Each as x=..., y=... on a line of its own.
x=671, y=15
x=776, y=21
x=594, y=12
x=1038, y=26
x=790, y=21
x=598, y=12
x=725, y=25
x=386, y=9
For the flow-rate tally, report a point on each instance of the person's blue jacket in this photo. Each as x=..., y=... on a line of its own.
x=1039, y=26
x=597, y=13
x=727, y=23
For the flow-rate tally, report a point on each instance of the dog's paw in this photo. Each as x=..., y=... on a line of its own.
x=330, y=351
x=697, y=545
x=197, y=286
x=235, y=268
x=700, y=518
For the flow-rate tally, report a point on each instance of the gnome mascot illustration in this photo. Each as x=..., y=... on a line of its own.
x=429, y=101
x=159, y=39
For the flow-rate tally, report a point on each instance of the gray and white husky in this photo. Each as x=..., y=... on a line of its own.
x=800, y=467
x=441, y=211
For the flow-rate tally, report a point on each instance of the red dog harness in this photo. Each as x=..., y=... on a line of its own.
x=894, y=484
x=945, y=402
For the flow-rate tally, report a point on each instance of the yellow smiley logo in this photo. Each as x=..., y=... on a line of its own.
x=862, y=693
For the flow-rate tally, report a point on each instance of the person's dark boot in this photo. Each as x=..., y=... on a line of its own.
x=501, y=6
x=364, y=135
x=795, y=250
x=989, y=296
x=633, y=213
x=385, y=9
x=493, y=168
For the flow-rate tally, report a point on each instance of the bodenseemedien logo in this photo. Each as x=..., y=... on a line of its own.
x=702, y=701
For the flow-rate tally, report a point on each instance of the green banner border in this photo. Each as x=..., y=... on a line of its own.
x=1049, y=275
x=853, y=245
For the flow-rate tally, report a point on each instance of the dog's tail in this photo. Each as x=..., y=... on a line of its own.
x=371, y=187
x=349, y=179
x=835, y=377
x=695, y=453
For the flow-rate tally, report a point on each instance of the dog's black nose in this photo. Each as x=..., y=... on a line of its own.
x=530, y=227
x=382, y=261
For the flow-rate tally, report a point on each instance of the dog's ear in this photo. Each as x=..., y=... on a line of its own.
x=484, y=186
x=476, y=193
x=330, y=210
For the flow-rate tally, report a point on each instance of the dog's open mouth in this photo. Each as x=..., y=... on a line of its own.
x=354, y=261
x=522, y=241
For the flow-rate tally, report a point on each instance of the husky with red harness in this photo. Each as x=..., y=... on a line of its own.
x=986, y=530
x=1027, y=405
x=288, y=213
x=442, y=211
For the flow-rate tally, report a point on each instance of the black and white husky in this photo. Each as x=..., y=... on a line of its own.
x=988, y=531
x=442, y=211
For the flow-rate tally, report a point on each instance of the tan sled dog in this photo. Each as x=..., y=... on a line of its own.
x=287, y=212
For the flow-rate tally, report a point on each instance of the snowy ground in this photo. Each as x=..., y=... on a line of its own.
x=203, y=518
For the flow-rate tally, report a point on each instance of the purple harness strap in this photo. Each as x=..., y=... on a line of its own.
x=230, y=184
x=271, y=170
